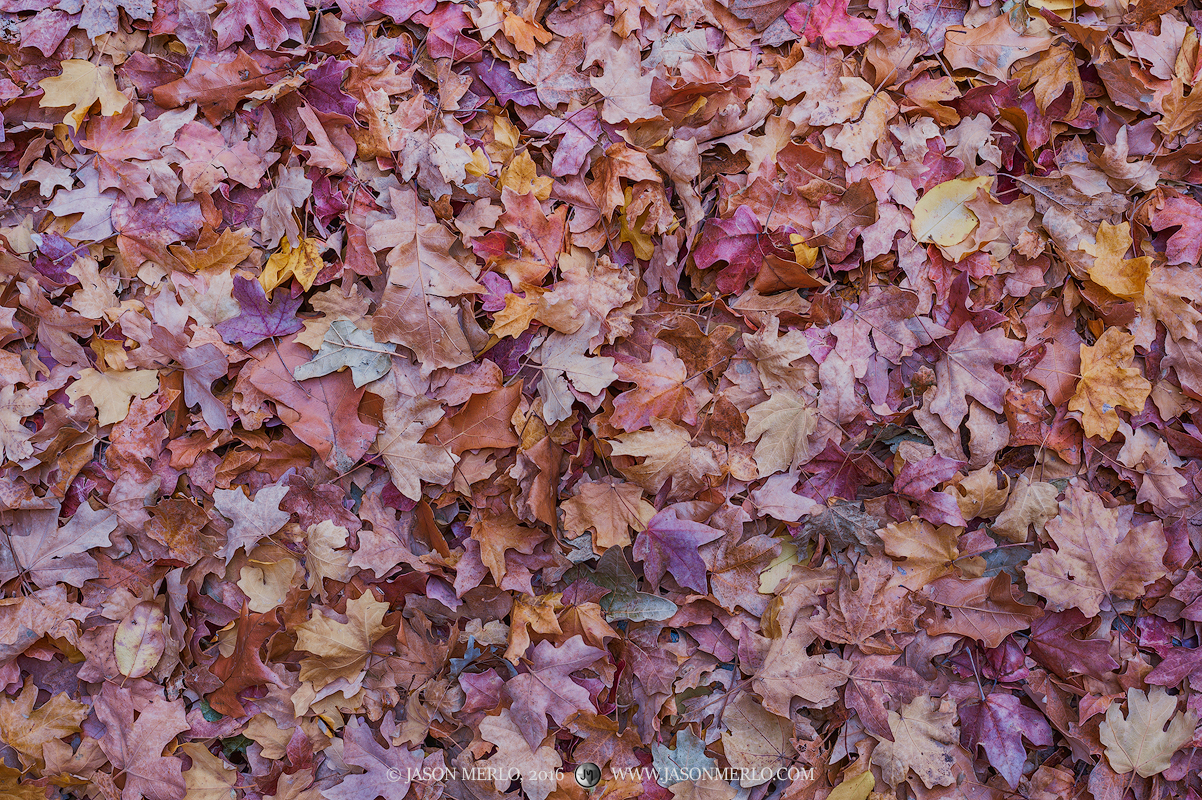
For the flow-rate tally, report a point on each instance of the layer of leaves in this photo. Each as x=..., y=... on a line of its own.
x=389, y=386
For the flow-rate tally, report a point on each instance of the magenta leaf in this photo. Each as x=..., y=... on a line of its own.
x=260, y=319
x=670, y=543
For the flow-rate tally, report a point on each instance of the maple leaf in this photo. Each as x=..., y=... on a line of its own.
x=516, y=756
x=736, y=568
x=755, y=741
x=387, y=769
x=611, y=508
x=261, y=20
x=992, y=48
x=855, y=616
x=829, y=20
x=941, y=215
x=924, y=735
x=547, y=689
x=341, y=649
x=1139, y=740
x=1108, y=382
x=660, y=391
x=916, y=481
x=968, y=370
x=669, y=454
x=1185, y=245
x=217, y=87
x=1053, y=644
x=626, y=88
x=1122, y=277
x=100, y=16
x=261, y=318
x=983, y=608
x=302, y=262
x=927, y=552
x=741, y=243
x=409, y=460
x=322, y=414
x=346, y=345
x=80, y=85
x=135, y=745
x=26, y=729
x=1098, y=556
x=291, y=190
x=998, y=724
x=49, y=553
x=670, y=543
x=209, y=777
x=252, y=519
x=781, y=427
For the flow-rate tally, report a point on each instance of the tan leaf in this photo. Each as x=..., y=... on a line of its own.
x=341, y=649
x=1098, y=555
x=782, y=424
x=1029, y=504
x=81, y=84
x=924, y=736
x=1139, y=741
x=26, y=729
x=755, y=740
x=209, y=777
x=112, y=391
x=611, y=508
x=928, y=552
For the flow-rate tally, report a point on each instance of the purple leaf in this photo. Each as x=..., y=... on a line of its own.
x=742, y=243
x=1053, y=645
x=998, y=725
x=671, y=543
x=260, y=320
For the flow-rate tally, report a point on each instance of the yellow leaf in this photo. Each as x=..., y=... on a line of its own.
x=112, y=391
x=139, y=641
x=1122, y=277
x=209, y=778
x=516, y=316
x=81, y=84
x=940, y=215
x=806, y=256
x=26, y=729
x=632, y=231
x=522, y=177
x=231, y=249
x=854, y=788
x=479, y=164
x=1139, y=741
x=1108, y=382
x=505, y=140
x=302, y=263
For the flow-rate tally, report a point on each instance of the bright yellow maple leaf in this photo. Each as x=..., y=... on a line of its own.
x=302, y=263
